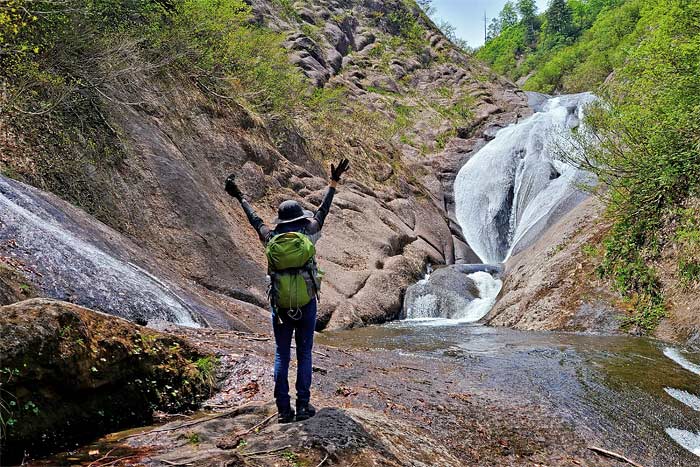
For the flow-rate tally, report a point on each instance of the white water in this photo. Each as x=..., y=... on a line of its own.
x=684, y=397
x=676, y=356
x=514, y=187
x=687, y=439
x=488, y=286
x=70, y=263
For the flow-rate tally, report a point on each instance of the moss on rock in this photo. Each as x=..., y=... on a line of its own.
x=69, y=373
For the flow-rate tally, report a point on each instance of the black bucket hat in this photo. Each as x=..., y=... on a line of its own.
x=290, y=211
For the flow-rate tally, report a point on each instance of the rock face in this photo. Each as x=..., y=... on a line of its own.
x=71, y=256
x=14, y=286
x=375, y=408
x=551, y=285
x=393, y=214
x=69, y=373
x=445, y=294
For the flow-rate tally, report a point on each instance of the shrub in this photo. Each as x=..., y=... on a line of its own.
x=647, y=153
x=56, y=72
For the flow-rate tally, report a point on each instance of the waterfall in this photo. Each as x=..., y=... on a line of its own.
x=75, y=258
x=514, y=188
x=423, y=309
x=676, y=356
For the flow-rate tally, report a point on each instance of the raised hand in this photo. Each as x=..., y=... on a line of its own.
x=337, y=172
x=231, y=187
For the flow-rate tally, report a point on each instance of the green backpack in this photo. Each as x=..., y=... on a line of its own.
x=295, y=279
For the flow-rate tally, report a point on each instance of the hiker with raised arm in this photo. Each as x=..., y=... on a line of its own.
x=295, y=283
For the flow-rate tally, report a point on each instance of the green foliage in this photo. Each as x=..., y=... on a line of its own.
x=444, y=138
x=445, y=92
x=586, y=64
x=508, y=16
x=530, y=22
x=288, y=9
x=560, y=45
x=403, y=120
x=291, y=458
x=647, y=153
x=559, y=19
x=15, y=20
x=404, y=23
x=58, y=71
x=460, y=113
x=688, y=242
x=312, y=32
x=214, y=40
x=503, y=52
x=207, y=369
x=8, y=402
x=236, y=57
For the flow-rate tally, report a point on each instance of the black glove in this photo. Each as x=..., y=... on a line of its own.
x=232, y=188
x=337, y=172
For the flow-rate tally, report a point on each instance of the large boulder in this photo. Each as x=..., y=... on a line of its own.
x=69, y=373
x=446, y=293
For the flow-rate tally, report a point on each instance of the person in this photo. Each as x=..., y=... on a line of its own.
x=301, y=323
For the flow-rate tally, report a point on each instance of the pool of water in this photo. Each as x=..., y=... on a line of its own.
x=639, y=395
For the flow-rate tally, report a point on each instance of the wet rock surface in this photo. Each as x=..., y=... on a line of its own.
x=71, y=256
x=552, y=285
x=14, y=286
x=69, y=374
x=376, y=407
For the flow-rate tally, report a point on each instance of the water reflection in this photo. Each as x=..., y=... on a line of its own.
x=613, y=387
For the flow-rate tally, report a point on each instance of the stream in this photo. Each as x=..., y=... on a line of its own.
x=636, y=394
x=640, y=395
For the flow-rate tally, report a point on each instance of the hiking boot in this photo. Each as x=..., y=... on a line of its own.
x=305, y=412
x=285, y=416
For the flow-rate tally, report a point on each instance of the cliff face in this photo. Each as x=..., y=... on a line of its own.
x=393, y=71
x=553, y=285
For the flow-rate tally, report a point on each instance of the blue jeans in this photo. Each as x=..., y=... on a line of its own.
x=303, y=331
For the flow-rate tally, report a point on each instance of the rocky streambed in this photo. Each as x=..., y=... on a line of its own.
x=410, y=394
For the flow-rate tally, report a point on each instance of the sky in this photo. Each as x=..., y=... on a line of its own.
x=468, y=16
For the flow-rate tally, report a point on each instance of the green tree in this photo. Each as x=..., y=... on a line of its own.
x=450, y=31
x=494, y=29
x=528, y=12
x=646, y=151
x=559, y=19
x=527, y=9
x=508, y=16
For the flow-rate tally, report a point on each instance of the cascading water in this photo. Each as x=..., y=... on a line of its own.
x=688, y=439
x=515, y=187
x=74, y=258
x=438, y=307
x=506, y=195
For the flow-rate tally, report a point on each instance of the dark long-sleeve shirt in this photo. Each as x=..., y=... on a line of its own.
x=310, y=227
